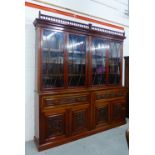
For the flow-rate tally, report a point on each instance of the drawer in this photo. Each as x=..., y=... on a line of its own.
x=58, y=100
x=110, y=94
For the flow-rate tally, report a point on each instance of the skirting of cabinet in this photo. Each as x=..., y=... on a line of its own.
x=51, y=144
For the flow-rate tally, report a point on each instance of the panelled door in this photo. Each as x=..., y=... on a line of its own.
x=102, y=111
x=118, y=110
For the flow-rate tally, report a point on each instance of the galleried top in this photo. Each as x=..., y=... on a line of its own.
x=78, y=25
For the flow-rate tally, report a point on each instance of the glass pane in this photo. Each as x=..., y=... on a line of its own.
x=114, y=62
x=99, y=50
x=76, y=60
x=52, y=59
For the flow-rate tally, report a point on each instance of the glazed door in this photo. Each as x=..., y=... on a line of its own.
x=77, y=58
x=99, y=57
x=115, y=61
x=52, y=59
x=106, y=62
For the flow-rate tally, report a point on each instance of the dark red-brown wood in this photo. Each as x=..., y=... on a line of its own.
x=66, y=114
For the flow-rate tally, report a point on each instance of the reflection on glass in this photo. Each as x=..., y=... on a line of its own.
x=114, y=62
x=99, y=50
x=52, y=59
x=76, y=60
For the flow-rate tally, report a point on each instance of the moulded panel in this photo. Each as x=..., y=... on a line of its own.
x=63, y=100
x=54, y=125
x=118, y=110
x=80, y=120
x=110, y=94
x=102, y=111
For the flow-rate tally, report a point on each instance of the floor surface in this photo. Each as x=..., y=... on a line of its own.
x=110, y=142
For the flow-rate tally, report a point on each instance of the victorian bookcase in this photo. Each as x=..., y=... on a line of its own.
x=78, y=88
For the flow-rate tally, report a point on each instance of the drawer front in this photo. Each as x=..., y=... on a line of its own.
x=110, y=94
x=58, y=100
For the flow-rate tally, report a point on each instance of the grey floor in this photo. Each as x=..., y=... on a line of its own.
x=110, y=142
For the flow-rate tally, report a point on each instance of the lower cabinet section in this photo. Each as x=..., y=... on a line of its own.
x=67, y=121
x=109, y=112
x=58, y=123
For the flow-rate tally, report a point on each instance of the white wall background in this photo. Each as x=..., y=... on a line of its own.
x=109, y=10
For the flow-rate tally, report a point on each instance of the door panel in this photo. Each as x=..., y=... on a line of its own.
x=80, y=119
x=102, y=111
x=54, y=124
x=118, y=110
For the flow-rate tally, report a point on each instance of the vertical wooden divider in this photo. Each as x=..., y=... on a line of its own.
x=87, y=62
x=107, y=66
x=90, y=62
x=121, y=63
x=65, y=60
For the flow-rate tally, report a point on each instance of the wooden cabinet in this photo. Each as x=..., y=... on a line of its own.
x=78, y=80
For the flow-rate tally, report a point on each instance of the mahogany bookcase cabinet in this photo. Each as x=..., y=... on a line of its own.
x=78, y=80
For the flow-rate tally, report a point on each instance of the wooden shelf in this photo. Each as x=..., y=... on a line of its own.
x=76, y=52
x=52, y=50
x=99, y=74
x=76, y=74
x=54, y=63
x=115, y=73
x=58, y=75
x=51, y=75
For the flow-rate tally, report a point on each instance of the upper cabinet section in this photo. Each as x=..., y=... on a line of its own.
x=75, y=55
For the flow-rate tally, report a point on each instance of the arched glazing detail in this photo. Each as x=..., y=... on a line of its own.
x=52, y=59
x=99, y=55
x=76, y=60
x=114, y=62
